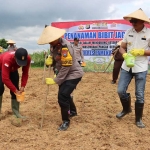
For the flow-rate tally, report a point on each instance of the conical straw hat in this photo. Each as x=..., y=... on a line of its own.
x=11, y=42
x=139, y=14
x=119, y=43
x=50, y=34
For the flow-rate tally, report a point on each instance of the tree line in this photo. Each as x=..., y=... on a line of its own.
x=3, y=43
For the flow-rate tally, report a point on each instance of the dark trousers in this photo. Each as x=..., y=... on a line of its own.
x=116, y=69
x=64, y=93
x=14, y=77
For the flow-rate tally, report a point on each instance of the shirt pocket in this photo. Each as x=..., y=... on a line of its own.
x=130, y=43
x=144, y=43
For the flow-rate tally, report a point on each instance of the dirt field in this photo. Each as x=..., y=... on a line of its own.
x=95, y=127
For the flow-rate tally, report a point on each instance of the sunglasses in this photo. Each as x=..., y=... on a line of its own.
x=134, y=20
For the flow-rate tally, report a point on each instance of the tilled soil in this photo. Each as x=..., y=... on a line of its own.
x=95, y=127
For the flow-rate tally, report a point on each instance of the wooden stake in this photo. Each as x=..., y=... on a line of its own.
x=44, y=106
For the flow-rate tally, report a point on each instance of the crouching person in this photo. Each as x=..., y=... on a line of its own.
x=69, y=71
x=10, y=62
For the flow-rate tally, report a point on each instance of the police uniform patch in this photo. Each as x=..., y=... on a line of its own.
x=66, y=58
x=64, y=53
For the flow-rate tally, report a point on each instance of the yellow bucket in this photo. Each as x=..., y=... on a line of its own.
x=20, y=98
x=130, y=61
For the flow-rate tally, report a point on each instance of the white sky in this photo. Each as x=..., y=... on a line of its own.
x=23, y=21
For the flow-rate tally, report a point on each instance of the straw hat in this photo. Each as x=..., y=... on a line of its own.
x=50, y=34
x=139, y=14
x=11, y=42
x=119, y=43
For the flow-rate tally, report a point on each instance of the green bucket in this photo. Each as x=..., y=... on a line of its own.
x=130, y=61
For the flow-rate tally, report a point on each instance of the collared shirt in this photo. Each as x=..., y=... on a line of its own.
x=70, y=72
x=138, y=40
x=79, y=53
x=8, y=64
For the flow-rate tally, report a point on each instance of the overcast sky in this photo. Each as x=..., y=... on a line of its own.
x=23, y=20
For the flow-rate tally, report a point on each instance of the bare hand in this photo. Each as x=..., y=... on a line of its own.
x=17, y=92
x=22, y=89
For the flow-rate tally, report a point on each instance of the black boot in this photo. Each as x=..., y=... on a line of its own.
x=73, y=110
x=138, y=114
x=65, y=117
x=126, y=104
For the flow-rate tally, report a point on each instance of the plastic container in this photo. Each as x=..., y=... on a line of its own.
x=20, y=98
x=130, y=60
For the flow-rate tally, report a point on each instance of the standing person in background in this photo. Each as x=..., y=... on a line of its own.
x=69, y=71
x=9, y=62
x=11, y=46
x=137, y=41
x=118, y=60
x=78, y=51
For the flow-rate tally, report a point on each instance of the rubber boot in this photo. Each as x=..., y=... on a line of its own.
x=15, y=108
x=126, y=104
x=73, y=110
x=138, y=114
x=65, y=118
x=1, y=115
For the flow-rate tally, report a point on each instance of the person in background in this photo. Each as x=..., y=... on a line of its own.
x=78, y=51
x=10, y=61
x=118, y=60
x=137, y=41
x=69, y=72
x=11, y=46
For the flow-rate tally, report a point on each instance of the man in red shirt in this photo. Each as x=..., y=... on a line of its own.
x=9, y=62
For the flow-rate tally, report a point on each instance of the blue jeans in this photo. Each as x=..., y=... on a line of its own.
x=124, y=81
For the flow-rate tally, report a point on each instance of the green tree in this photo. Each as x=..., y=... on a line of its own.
x=3, y=43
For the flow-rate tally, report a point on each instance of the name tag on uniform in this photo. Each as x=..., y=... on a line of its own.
x=131, y=35
x=143, y=38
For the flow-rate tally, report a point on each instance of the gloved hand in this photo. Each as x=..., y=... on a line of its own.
x=49, y=61
x=137, y=52
x=83, y=64
x=125, y=55
x=50, y=81
x=54, y=75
